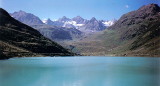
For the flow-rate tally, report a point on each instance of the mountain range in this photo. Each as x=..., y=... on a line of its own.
x=20, y=40
x=80, y=23
x=65, y=28
x=76, y=22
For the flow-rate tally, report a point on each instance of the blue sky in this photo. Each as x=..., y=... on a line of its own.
x=54, y=9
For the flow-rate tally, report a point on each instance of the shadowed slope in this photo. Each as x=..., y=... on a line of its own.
x=20, y=40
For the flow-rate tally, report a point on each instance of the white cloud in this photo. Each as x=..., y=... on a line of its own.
x=126, y=6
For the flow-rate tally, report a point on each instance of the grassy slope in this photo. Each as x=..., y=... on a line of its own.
x=110, y=44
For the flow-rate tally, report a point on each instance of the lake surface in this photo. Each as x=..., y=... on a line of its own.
x=80, y=71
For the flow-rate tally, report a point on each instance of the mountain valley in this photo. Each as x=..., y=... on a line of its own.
x=136, y=33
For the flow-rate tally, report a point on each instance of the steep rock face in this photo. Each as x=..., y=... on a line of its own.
x=20, y=40
x=26, y=18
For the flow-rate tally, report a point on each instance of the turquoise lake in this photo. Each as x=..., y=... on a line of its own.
x=80, y=71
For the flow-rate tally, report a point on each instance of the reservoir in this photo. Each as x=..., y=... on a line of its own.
x=80, y=71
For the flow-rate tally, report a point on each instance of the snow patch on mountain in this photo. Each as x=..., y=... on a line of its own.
x=74, y=23
x=44, y=21
x=108, y=23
